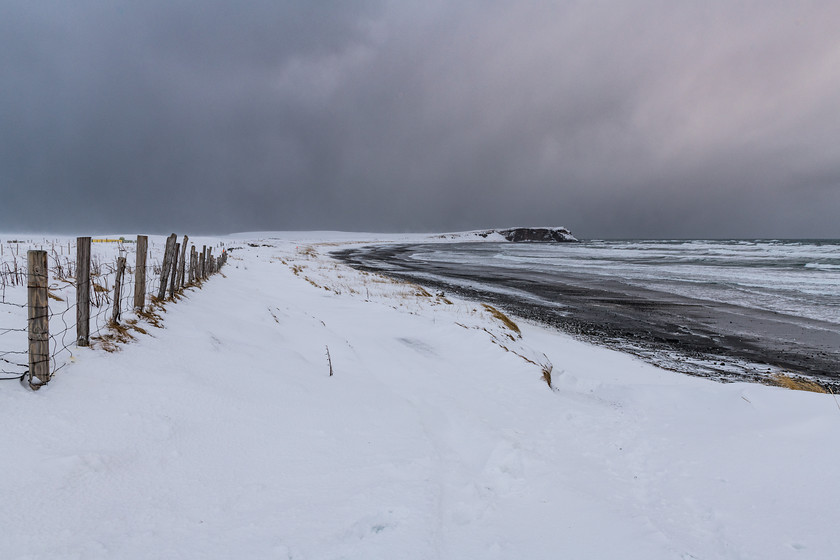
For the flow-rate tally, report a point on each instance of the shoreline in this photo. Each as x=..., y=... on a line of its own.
x=697, y=337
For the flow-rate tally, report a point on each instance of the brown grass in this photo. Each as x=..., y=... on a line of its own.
x=316, y=284
x=797, y=383
x=118, y=334
x=546, y=374
x=121, y=333
x=151, y=317
x=132, y=324
x=505, y=320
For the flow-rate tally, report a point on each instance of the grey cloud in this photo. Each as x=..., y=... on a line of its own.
x=646, y=119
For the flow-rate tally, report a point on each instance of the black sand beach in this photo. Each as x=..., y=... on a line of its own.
x=697, y=337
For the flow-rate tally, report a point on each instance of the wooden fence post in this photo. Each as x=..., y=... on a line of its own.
x=39, y=321
x=202, y=262
x=193, y=263
x=115, y=316
x=174, y=275
x=179, y=283
x=140, y=273
x=83, y=291
x=166, y=267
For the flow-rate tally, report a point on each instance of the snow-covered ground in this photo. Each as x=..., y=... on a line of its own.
x=223, y=435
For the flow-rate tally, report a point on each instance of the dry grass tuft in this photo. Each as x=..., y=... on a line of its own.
x=316, y=284
x=118, y=334
x=329, y=361
x=132, y=324
x=797, y=383
x=506, y=321
x=53, y=296
x=546, y=375
x=106, y=343
x=151, y=317
x=381, y=279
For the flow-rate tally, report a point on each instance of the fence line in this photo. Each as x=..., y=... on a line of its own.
x=105, y=323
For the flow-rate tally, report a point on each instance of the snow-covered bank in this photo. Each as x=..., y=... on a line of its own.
x=223, y=435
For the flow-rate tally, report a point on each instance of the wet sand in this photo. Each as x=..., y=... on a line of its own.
x=698, y=337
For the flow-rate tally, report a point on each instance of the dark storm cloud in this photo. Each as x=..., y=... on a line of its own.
x=650, y=118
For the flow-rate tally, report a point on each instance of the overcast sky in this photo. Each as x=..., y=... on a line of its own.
x=616, y=118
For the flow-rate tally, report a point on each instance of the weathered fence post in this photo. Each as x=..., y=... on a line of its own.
x=174, y=276
x=202, y=262
x=39, y=321
x=115, y=316
x=166, y=267
x=83, y=291
x=193, y=263
x=179, y=283
x=140, y=273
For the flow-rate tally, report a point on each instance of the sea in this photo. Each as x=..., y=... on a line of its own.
x=795, y=277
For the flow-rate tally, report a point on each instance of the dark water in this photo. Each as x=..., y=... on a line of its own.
x=725, y=309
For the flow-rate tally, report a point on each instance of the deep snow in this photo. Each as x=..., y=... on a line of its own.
x=223, y=435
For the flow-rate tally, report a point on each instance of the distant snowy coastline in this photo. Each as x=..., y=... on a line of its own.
x=548, y=234
x=517, y=235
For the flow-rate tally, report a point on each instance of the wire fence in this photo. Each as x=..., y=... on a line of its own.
x=13, y=307
x=63, y=309
x=13, y=358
